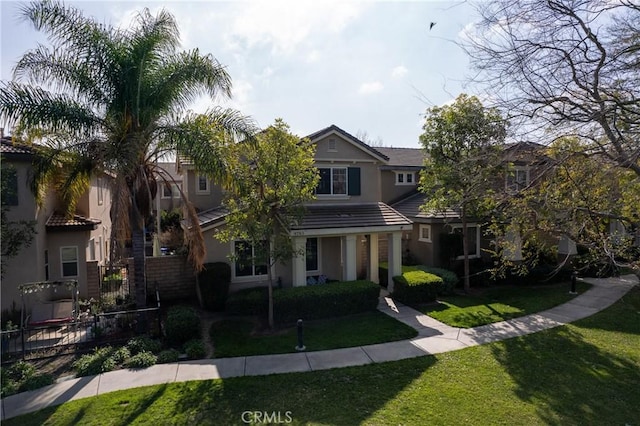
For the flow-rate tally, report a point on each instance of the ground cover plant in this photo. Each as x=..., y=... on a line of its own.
x=238, y=337
x=581, y=373
x=499, y=304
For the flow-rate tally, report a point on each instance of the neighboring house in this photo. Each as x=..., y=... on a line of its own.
x=341, y=230
x=63, y=247
x=525, y=163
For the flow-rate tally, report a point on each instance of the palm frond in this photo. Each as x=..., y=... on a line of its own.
x=34, y=107
x=64, y=72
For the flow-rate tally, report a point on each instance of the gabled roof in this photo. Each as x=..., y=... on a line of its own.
x=59, y=222
x=350, y=216
x=357, y=142
x=410, y=207
x=407, y=157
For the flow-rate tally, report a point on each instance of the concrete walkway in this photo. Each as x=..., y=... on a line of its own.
x=434, y=337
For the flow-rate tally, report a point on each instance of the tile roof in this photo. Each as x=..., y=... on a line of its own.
x=350, y=216
x=75, y=223
x=10, y=147
x=404, y=156
x=348, y=136
x=212, y=216
x=410, y=207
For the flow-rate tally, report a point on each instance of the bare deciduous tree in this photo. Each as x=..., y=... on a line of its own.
x=571, y=66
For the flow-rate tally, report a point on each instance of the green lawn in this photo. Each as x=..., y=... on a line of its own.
x=499, y=304
x=583, y=373
x=235, y=338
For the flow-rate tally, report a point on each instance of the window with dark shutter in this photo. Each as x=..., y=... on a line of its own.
x=354, y=180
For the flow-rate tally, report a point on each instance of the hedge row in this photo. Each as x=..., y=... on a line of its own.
x=416, y=287
x=309, y=303
x=214, y=281
x=449, y=279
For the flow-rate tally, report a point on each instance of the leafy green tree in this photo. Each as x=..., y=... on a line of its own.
x=272, y=178
x=113, y=100
x=17, y=234
x=463, y=143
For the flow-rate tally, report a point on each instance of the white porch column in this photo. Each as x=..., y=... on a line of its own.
x=299, y=262
x=373, y=258
x=350, y=258
x=395, y=257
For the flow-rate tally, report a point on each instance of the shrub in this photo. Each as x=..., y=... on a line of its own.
x=100, y=361
x=213, y=282
x=449, y=278
x=169, y=355
x=121, y=355
x=415, y=287
x=325, y=301
x=182, y=325
x=143, y=344
x=250, y=301
x=142, y=359
x=21, y=377
x=195, y=349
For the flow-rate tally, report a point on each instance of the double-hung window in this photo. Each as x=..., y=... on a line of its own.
x=69, y=260
x=473, y=240
x=333, y=181
x=202, y=184
x=250, y=260
x=517, y=178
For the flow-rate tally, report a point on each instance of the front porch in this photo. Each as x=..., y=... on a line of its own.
x=346, y=237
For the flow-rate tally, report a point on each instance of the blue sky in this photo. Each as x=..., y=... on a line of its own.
x=365, y=66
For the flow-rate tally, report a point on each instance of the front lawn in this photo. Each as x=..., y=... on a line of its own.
x=582, y=373
x=237, y=337
x=499, y=304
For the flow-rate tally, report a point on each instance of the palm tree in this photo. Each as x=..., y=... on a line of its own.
x=114, y=101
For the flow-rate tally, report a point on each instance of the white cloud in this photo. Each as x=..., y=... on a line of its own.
x=284, y=25
x=399, y=71
x=313, y=56
x=371, y=87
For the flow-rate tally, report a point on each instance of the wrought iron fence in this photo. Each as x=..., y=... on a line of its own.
x=88, y=331
x=116, y=289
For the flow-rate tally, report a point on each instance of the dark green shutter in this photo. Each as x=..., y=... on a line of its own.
x=354, y=180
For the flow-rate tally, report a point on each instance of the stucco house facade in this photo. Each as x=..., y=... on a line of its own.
x=62, y=247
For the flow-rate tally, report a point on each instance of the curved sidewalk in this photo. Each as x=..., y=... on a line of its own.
x=434, y=337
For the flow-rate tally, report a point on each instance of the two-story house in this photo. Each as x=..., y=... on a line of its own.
x=340, y=231
x=62, y=247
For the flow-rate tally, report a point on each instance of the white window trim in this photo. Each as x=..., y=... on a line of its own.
x=319, y=270
x=404, y=179
x=420, y=237
x=244, y=278
x=91, y=247
x=332, y=145
x=175, y=191
x=514, y=170
x=346, y=182
x=100, y=193
x=63, y=262
x=469, y=225
x=205, y=191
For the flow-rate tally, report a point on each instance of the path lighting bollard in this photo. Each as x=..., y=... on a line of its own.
x=300, y=346
x=574, y=278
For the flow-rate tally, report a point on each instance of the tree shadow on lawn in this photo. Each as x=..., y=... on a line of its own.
x=344, y=396
x=570, y=380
